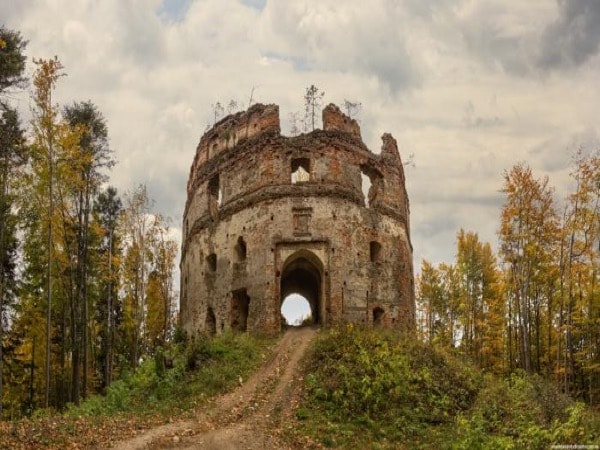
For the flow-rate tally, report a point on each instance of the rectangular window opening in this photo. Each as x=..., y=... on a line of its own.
x=300, y=170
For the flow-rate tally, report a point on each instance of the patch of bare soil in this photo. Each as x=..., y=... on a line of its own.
x=250, y=417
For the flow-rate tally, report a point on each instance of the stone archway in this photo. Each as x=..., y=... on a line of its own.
x=303, y=274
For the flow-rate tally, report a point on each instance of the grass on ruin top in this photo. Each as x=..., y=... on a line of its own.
x=147, y=397
x=369, y=388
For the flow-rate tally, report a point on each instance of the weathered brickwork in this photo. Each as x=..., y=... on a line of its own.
x=269, y=215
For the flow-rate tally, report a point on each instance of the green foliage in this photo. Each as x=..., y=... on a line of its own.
x=387, y=384
x=179, y=335
x=155, y=389
x=371, y=388
x=159, y=362
x=525, y=412
x=12, y=59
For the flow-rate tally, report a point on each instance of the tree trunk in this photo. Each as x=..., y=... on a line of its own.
x=3, y=250
x=109, y=312
x=83, y=288
x=49, y=270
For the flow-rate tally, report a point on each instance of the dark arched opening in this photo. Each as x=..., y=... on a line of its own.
x=302, y=274
x=378, y=315
x=240, y=307
x=211, y=322
x=240, y=249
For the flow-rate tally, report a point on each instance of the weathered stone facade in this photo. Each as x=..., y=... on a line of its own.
x=269, y=215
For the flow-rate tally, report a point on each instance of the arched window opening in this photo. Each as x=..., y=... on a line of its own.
x=211, y=262
x=214, y=191
x=240, y=307
x=296, y=311
x=371, y=184
x=240, y=249
x=375, y=251
x=300, y=170
x=210, y=322
x=378, y=314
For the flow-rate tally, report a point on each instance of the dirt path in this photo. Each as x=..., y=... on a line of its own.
x=250, y=417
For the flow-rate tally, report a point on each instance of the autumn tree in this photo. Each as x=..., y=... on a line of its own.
x=430, y=296
x=451, y=305
x=479, y=277
x=69, y=157
x=462, y=303
x=438, y=301
x=160, y=290
x=46, y=129
x=146, y=275
x=134, y=226
x=579, y=296
x=528, y=243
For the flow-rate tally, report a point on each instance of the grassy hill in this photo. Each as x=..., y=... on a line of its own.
x=367, y=388
x=361, y=388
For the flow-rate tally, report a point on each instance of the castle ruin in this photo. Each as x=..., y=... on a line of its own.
x=269, y=215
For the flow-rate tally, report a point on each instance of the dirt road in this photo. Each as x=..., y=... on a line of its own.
x=251, y=417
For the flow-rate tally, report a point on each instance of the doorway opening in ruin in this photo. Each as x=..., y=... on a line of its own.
x=302, y=275
x=378, y=316
x=296, y=311
x=240, y=306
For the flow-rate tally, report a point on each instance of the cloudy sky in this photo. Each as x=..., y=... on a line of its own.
x=469, y=87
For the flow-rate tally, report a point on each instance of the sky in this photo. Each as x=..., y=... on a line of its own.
x=469, y=88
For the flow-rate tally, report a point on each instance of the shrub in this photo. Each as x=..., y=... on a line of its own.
x=372, y=388
x=525, y=412
x=386, y=382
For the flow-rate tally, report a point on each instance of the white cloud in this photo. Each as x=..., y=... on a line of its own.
x=469, y=87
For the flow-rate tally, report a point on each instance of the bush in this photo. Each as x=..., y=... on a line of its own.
x=373, y=388
x=378, y=380
x=526, y=412
x=199, y=370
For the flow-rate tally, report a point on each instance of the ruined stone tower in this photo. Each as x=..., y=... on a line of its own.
x=269, y=215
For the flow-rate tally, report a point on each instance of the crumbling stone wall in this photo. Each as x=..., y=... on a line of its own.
x=268, y=215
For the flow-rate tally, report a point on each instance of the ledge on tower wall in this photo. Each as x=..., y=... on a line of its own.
x=335, y=119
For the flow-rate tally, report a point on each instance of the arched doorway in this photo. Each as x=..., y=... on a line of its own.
x=302, y=274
